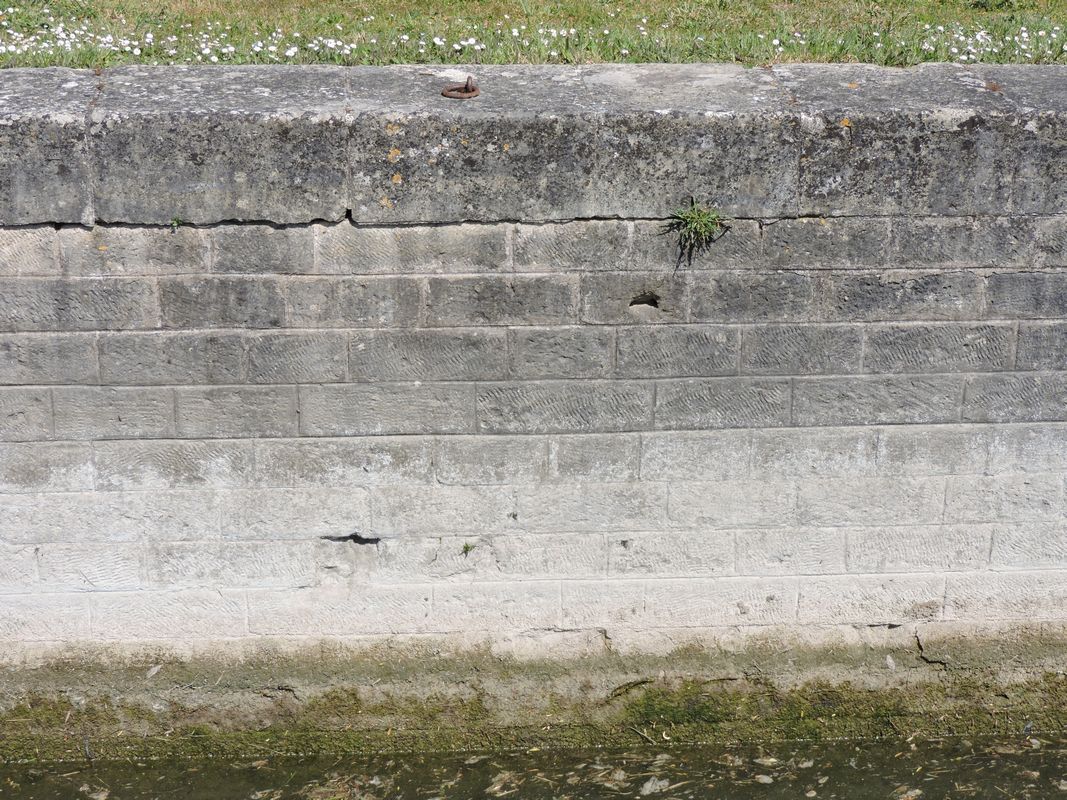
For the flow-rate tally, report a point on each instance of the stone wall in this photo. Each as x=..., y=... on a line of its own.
x=247, y=313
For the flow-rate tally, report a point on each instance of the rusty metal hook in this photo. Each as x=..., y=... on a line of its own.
x=463, y=91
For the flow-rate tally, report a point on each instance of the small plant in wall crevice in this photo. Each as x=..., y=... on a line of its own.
x=697, y=226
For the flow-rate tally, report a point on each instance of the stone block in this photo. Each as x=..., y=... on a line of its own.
x=732, y=504
x=627, y=298
x=1015, y=398
x=919, y=548
x=676, y=351
x=25, y=415
x=695, y=455
x=297, y=357
x=168, y=616
x=722, y=403
x=938, y=348
x=386, y=408
x=756, y=296
x=45, y=618
x=827, y=242
x=592, y=507
x=715, y=602
x=673, y=554
x=573, y=352
x=231, y=565
x=579, y=246
x=474, y=510
x=103, y=251
x=223, y=302
x=64, y=358
x=927, y=450
x=876, y=400
x=469, y=460
x=871, y=599
x=898, y=295
x=312, y=463
x=29, y=250
x=113, y=413
x=1027, y=448
x=739, y=245
x=512, y=606
x=962, y=242
x=1024, y=597
x=349, y=249
x=226, y=412
x=40, y=467
x=564, y=407
x=428, y=355
x=594, y=457
x=262, y=249
x=845, y=452
x=205, y=145
x=801, y=349
x=502, y=300
x=1026, y=294
x=791, y=551
x=156, y=465
x=340, y=611
x=870, y=501
x=373, y=302
x=1029, y=545
x=1042, y=346
x=293, y=514
x=1008, y=498
x=171, y=358
x=89, y=567
x=50, y=304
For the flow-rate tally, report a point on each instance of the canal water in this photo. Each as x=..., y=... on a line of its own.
x=1029, y=766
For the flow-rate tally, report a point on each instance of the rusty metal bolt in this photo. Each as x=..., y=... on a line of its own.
x=463, y=91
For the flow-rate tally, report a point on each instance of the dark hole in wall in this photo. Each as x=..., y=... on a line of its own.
x=650, y=299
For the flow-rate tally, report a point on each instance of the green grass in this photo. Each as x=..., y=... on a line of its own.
x=98, y=33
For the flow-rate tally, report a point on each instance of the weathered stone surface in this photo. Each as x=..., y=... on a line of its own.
x=572, y=352
x=755, y=296
x=876, y=400
x=345, y=248
x=801, y=349
x=722, y=403
x=678, y=351
x=48, y=358
x=222, y=303
x=171, y=358
x=502, y=300
x=297, y=357
x=226, y=412
x=564, y=407
x=113, y=413
x=428, y=355
x=353, y=302
x=103, y=251
x=388, y=408
x=939, y=348
x=262, y=248
x=43, y=304
x=29, y=250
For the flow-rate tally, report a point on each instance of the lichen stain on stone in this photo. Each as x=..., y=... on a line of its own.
x=397, y=178
x=394, y=155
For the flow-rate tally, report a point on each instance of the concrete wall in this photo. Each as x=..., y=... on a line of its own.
x=242, y=310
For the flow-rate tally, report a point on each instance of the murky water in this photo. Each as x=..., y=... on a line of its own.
x=1027, y=767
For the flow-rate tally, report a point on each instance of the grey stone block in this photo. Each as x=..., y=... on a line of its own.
x=739, y=245
x=755, y=296
x=714, y=602
x=171, y=358
x=393, y=408
x=502, y=300
x=899, y=295
x=671, y=554
x=585, y=246
x=678, y=351
x=939, y=348
x=919, y=548
x=725, y=139
x=578, y=352
x=1029, y=545
x=1027, y=448
x=152, y=466
x=29, y=250
x=37, y=467
x=876, y=400
x=1015, y=398
x=18, y=569
x=1005, y=498
x=791, y=551
x=1026, y=295
x=823, y=243
x=340, y=611
x=109, y=517
x=43, y=304
x=592, y=507
x=25, y=415
x=516, y=606
x=350, y=249
x=169, y=616
x=44, y=165
x=847, y=452
x=625, y=298
x=222, y=302
x=1042, y=346
x=870, y=501
x=320, y=357
x=236, y=412
x=428, y=355
x=696, y=455
x=1039, y=154
x=311, y=463
x=732, y=504
x=262, y=249
x=491, y=459
x=45, y=617
x=48, y=358
x=801, y=349
x=113, y=413
x=1050, y=243
x=963, y=242
x=353, y=302
x=268, y=514
x=88, y=567
x=206, y=145
x=927, y=450
x=594, y=457
x=722, y=403
x=103, y=251
x=1021, y=596
x=564, y=407
x=871, y=599
x=404, y=510
x=548, y=556
x=230, y=565
x=603, y=604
